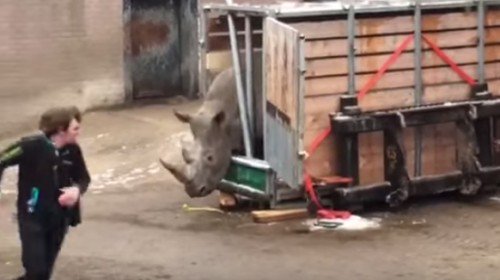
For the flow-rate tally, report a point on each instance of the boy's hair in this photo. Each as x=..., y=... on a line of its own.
x=58, y=118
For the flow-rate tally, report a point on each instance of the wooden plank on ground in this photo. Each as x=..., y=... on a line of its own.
x=270, y=216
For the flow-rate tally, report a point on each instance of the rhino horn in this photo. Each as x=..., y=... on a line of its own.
x=186, y=156
x=183, y=117
x=178, y=171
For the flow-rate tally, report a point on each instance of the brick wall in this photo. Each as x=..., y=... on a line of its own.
x=58, y=52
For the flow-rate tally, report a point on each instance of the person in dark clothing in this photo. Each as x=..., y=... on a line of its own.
x=52, y=177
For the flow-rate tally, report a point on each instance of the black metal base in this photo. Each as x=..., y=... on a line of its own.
x=475, y=138
x=421, y=186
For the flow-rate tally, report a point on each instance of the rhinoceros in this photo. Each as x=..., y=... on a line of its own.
x=216, y=133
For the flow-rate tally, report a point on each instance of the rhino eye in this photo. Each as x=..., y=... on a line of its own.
x=210, y=158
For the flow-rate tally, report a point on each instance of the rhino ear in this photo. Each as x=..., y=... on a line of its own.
x=185, y=118
x=219, y=118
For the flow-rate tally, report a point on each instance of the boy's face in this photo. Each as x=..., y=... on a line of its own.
x=71, y=134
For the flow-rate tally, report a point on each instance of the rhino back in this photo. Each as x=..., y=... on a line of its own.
x=222, y=94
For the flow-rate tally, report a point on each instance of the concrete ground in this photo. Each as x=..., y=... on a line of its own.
x=134, y=226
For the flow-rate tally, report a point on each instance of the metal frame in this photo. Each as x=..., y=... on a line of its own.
x=301, y=153
x=239, y=87
x=336, y=8
x=476, y=170
x=249, y=74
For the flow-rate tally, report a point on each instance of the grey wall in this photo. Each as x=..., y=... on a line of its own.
x=58, y=52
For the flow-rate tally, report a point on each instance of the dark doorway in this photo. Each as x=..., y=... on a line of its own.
x=154, y=51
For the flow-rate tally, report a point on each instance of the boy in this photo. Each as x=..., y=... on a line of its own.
x=52, y=177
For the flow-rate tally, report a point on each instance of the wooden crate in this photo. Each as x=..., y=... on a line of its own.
x=327, y=79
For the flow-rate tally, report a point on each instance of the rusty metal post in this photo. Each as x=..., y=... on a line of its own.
x=418, y=84
x=351, y=33
x=480, y=29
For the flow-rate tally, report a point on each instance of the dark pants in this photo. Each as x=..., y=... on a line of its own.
x=40, y=246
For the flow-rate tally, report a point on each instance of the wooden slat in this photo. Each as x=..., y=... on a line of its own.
x=222, y=43
x=324, y=161
x=371, y=63
x=494, y=87
x=394, y=80
x=371, y=157
x=394, y=24
x=387, y=99
x=409, y=146
x=492, y=17
x=390, y=99
x=438, y=149
x=492, y=35
x=317, y=109
x=387, y=44
x=281, y=73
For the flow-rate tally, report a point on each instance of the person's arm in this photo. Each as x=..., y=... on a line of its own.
x=79, y=173
x=12, y=155
x=79, y=176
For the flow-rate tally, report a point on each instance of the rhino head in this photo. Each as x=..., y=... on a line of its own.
x=205, y=159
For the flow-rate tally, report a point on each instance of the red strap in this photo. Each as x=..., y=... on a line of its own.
x=450, y=62
x=322, y=213
x=371, y=83
x=307, y=178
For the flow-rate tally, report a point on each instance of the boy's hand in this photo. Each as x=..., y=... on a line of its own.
x=69, y=197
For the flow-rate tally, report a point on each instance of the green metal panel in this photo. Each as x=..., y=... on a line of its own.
x=249, y=176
